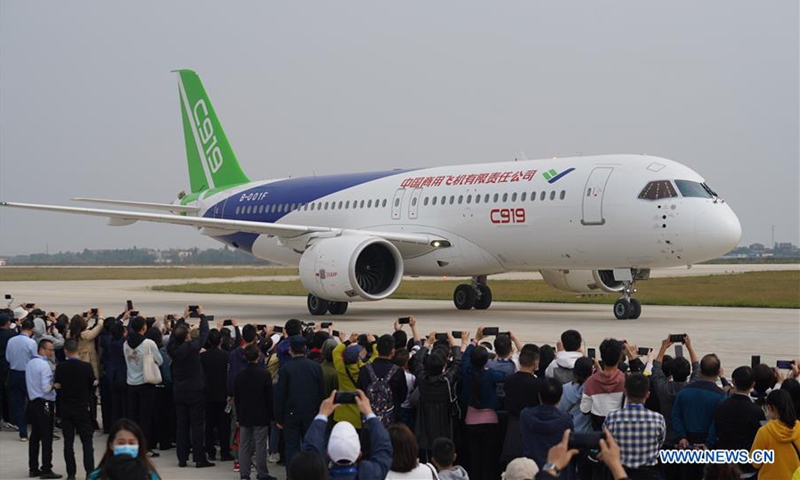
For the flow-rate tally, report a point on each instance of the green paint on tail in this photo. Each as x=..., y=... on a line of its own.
x=212, y=163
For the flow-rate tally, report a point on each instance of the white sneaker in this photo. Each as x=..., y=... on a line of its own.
x=274, y=457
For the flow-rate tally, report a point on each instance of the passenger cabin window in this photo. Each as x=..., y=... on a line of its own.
x=562, y=195
x=693, y=189
x=660, y=189
x=383, y=203
x=553, y=195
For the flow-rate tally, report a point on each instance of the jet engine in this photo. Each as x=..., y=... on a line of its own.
x=583, y=281
x=351, y=268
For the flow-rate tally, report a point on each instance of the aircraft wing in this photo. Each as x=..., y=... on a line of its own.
x=167, y=207
x=218, y=225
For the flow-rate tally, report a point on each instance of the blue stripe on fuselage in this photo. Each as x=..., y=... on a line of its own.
x=290, y=191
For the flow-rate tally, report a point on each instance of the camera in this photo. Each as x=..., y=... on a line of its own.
x=643, y=351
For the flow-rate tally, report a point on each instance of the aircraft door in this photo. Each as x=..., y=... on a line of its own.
x=219, y=209
x=413, y=205
x=593, y=196
x=397, y=203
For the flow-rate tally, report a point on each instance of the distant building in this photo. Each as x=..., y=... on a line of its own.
x=758, y=247
x=2, y=262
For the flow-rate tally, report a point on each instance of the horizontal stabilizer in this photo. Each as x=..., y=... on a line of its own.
x=168, y=207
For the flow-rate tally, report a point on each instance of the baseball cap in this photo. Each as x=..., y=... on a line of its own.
x=343, y=445
x=297, y=343
x=20, y=312
x=521, y=469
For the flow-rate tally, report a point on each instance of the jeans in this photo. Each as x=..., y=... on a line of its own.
x=19, y=395
x=294, y=429
x=253, y=439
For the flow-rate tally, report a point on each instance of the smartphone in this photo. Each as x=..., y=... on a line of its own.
x=755, y=360
x=227, y=323
x=404, y=320
x=134, y=313
x=29, y=305
x=8, y=297
x=345, y=397
x=129, y=305
x=94, y=312
x=592, y=353
x=327, y=324
x=335, y=333
x=441, y=336
x=310, y=324
x=490, y=331
x=261, y=327
x=585, y=441
x=785, y=364
x=677, y=338
x=643, y=351
x=209, y=318
x=456, y=334
x=277, y=329
x=678, y=350
x=193, y=311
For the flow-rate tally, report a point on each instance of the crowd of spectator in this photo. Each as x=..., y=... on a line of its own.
x=393, y=405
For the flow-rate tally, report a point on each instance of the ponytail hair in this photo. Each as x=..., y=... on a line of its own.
x=781, y=401
x=478, y=358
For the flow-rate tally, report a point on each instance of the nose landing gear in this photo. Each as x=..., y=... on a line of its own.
x=627, y=308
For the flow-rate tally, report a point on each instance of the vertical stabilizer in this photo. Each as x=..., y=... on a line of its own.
x=212, y=162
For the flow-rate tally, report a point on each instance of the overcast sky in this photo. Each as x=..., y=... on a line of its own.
x=88, y=106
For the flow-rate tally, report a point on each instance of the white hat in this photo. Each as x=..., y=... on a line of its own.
x=343, y=444
x=521, y=469
x=19, y=313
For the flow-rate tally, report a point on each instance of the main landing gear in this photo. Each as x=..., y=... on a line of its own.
x=627, y=307
x=475, y=295
x=318, y=306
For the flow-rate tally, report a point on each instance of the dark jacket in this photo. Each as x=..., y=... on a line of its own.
x=693, y=411
x=522, y=391
x=5, y=335
x=77, y=382
x=252, y=392
x=116, y=370
x=666, y=392
x=736, y=423
x=397, y=383
x=299, y=390
x=215, y=369
x=187, y=371
x=435, y=398
x=237, y=363
x=489, y=380
x=543, y=427
x=376, y=466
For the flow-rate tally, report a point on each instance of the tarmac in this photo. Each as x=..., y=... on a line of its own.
x=734, y=334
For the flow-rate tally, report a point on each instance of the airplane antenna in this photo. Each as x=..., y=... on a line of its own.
x=522, y=154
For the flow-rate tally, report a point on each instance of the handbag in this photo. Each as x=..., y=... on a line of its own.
x=151, y=371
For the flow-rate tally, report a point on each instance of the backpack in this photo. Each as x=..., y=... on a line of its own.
x=380, y=395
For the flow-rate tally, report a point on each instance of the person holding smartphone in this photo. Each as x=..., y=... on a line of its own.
x=640, y=432
x=253, y=393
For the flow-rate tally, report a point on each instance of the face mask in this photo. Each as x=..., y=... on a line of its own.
x=132, y=450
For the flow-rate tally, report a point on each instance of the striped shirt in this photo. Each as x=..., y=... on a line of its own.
x=639, y=432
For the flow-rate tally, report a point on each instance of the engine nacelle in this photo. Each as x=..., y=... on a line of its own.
x=583, y=281
x=351, y=268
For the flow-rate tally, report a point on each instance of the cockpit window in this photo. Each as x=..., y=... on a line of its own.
x=694, y=189
x=658, y=189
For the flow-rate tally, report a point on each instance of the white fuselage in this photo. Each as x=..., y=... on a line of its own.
x=501, y=217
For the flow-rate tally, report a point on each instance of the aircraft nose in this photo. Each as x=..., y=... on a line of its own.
x=718, y=230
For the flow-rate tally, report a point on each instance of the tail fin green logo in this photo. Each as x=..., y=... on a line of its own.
x=212, y=163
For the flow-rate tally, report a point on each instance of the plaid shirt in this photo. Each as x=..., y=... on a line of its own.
x=639, y=432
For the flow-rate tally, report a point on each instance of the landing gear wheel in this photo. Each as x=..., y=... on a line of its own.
x=636, y=309
x=337, y=308
x=464, y=296
x=316, y=305
x=622, y=309
x=484, y=299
